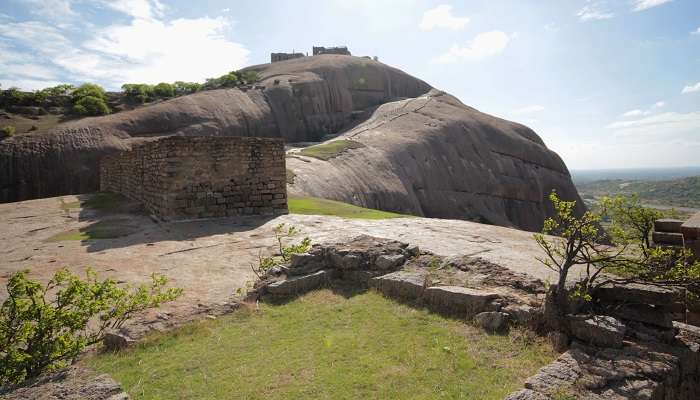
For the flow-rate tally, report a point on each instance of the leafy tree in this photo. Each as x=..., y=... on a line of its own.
x=282, y=232
x=164, y=90
x=39, y=334
x=13, y=96
x=630, y=221
x=248, y=77
x=182, y=88
x=88, y=89
x=90, y=105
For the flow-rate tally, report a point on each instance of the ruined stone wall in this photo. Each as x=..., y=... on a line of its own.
x=201, y=176
x=276, y=57
x=342, y=50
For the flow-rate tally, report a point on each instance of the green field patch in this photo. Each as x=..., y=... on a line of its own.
x=328, y=150
x=316, y=206
x=108, y=229
x=326, y=346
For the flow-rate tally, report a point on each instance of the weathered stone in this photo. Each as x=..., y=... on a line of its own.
x=668, y=225
x=691, y=228
x=491, y=320
x=400, y=284
x=636, y=293
x=305, y=263
x=599, y=330
x=523, y=314
x=74, y=383
x=667, y=238
x=389, y=261
x=560, y=374
x=298, y=284
x=643, y=313
x=114, y=341
x=527, y=394
x=460, y=300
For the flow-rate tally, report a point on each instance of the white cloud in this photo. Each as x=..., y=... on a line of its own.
x=634, y=113
x=691, y=88
x=640, y=5
x=529, y=109
x=484, y=45
x=54, y=10
x=696, y=32
x=593, y=12
x=660, y=125
x=551, y=27
x=147, y=49
x=441, y=17
x=141, y=9
x=27, y=84
x=659, y=104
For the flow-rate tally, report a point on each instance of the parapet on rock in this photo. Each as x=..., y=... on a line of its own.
x=187, y=177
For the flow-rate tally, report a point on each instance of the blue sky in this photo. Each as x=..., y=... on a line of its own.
x=607, y=84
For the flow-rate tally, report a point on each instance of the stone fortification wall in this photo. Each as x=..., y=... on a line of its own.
x=201, y=176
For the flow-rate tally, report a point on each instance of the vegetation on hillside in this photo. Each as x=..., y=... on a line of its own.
x=316, y=206
x=45, y=327
x=682, y=192
x=622, y=253
x=327, y=346
x=326, y=151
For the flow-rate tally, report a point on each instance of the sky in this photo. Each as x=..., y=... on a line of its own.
x=606, y=84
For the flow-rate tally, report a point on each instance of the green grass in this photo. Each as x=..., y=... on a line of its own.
x=108, y=229
x=329, y=150
x=103, y=201
x=325, y=346
x=316, y=206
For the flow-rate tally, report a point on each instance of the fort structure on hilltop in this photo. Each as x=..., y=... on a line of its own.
x=317, y=50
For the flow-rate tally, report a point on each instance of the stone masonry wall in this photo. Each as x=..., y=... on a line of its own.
x=184, y=177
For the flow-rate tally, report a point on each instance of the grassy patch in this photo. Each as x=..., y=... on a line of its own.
x=329, y=150
x=316, y=206
x=325, y=346
x=103, y=201
x=108, y=229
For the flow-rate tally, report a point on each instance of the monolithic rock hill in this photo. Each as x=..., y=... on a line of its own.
x=425, y=152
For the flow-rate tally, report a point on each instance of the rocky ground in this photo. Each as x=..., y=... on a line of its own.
x=211, y=259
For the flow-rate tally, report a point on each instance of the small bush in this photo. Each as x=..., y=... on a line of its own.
x=88, y=90
x=90, y=105
x=8, y=131
x=38, y=334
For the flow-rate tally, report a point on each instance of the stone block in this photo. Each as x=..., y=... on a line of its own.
x=299, y=284
x=643, y=313
x=400, y=284
x=691, y=228
x=667, y=238
x=668, y=225
x=636, y=293
x=387, y=262
x=460, y=300
x=491, y=320
x=598, y=330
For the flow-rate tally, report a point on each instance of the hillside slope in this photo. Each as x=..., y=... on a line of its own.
x=425, y=152
x=683, y=192
x=433, y=156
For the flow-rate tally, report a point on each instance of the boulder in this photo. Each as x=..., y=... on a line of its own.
x=636, y=293
x=599, y=330
x=643, y=313
x=491, y=320
x=558, y=340
x=460, y=300
x=389, y=261
x=298, y=284
x=400, y=284
x=523, y=314
x=114, y=341
x=667, y=238
x=668, y=225
x=306, y=263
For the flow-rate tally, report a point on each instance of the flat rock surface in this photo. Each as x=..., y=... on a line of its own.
x=211, y=259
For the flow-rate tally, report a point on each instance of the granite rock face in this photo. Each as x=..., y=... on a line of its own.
x=425, y=153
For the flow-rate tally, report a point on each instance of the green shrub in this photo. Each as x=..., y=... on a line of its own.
x=186, y=87
x=8, y=131
x=88, y=89
x=39, y=334
x=90, y=105
x=249, y=77
x=164, y=90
